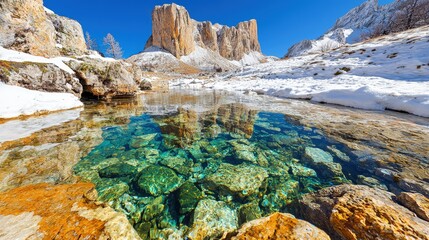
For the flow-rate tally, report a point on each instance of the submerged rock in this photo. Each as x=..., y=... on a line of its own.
x=180, y=165
x=278, y=226
x=189, y=196
x=249, y=212
x=156, y=180
x=323, y=162
x=117, y=170
x=111, y=189
x=241, y=180
x=211, y=220
x=361, y=212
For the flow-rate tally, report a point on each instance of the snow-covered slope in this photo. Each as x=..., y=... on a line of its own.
x=158, y=60
x=353, y=27
x=390, y=72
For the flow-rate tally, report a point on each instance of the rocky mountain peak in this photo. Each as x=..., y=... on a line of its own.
x=174, y=31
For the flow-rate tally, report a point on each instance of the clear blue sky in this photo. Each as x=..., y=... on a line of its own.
x=281, y=22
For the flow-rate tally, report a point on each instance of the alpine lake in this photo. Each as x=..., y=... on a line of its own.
x=181, y=161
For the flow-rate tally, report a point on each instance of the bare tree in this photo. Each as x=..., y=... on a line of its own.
x=113, y=48
x=91, y=44
x=377, y=31
x=411, y=14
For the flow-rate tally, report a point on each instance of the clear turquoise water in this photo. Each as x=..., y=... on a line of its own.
x=157, y=168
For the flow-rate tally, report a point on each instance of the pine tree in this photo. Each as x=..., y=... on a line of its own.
x=113, y=48
x=91, y=44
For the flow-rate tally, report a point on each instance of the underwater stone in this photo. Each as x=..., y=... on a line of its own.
x=249, y=212
x=117, y=170
x=105, y=163
x=323, y=162
x=156, y=180
x=180, y=165
x=189, y=196
x=89, y=176
x=284, y=194
x=302, y=171
x=342, y=156
x=111, y=189
x=317, y=155
x=152, y=211
x=211, y=220
x=244, y=151
x=242, y=180
x=371, y=182
x=142, y=141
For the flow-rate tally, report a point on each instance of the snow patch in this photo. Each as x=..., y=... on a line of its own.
x=18, y=101
x=15, y=56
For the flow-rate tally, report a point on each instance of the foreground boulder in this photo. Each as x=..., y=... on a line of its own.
x=361, y=212
x=278, y=226
x=212, y=219
x=39, y=76
x=46, y=211
x=106, y=78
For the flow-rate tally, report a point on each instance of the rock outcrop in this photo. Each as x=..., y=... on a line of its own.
x=105, y=78
x=174, y=31
x=39, y=76
x=46, y=211
x=278, y=226
x=26, y=26
x=366, y=21
x=68, y=34
x=361, y=212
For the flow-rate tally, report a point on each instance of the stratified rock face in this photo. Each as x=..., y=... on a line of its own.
x=69, y=35
x=279, y=226
x=46, y=211
x=360, y=212
x=39, y=76
x=25, y=27
x=103, y=78
x=174, y=31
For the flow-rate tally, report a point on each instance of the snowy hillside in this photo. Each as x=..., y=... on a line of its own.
x=390, y=72
x=364, y=20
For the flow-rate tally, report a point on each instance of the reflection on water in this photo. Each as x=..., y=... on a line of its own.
x=164, y=164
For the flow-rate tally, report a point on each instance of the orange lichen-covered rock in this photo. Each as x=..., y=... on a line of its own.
x=361, y=212
x=45, y=211
x=278, y=226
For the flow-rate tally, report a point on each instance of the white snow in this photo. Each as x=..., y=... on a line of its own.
x=207, y=60
x=390, y=72
x=15, y=56
x=16, y=101
x=17, y=129
x=49, y=11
